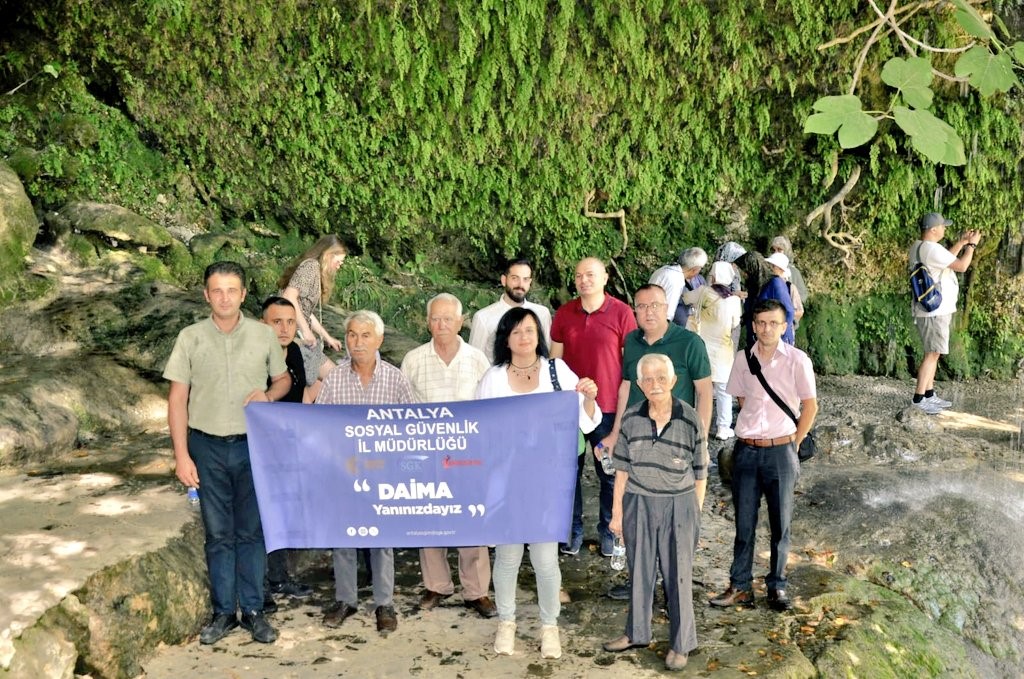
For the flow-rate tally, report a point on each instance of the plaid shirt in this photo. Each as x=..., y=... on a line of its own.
x=342, y=386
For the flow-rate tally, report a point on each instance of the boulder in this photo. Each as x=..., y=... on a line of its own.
x=18, y=224
x=115, y=224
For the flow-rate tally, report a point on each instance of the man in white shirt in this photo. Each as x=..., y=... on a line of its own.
x=448, y=369
x=933, y=326
x=516, y=281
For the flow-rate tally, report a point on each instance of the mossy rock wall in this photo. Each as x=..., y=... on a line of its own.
x=461, y=133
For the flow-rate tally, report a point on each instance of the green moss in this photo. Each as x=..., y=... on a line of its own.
x=832, y=337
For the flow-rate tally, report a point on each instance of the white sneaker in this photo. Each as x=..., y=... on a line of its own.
x=505, y=639
x=928, y=407
x=940, y=402
x=725, y=434
x=550, y=644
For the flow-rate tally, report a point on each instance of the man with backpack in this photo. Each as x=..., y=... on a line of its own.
x=933, y=324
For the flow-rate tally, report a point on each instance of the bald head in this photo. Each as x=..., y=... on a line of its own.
x=591, y=277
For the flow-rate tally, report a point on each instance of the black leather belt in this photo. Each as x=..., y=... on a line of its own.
x=233, y=438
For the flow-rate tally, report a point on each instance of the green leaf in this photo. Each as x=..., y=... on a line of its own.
x=842, y=113
x=988, y=72
x=912, y=77
x=1017, y=50
x=972, y=21
x=51, y=69
x=933, y=138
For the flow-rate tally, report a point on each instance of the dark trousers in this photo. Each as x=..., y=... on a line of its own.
x=606, y=482
x=661, y=529
x=773, y=473
x=235, y=554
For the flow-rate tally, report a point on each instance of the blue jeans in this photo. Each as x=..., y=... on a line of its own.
x=606, y=482
x=773, y=473
x=235, y=554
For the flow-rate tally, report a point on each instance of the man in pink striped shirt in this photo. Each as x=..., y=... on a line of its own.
x=765, y=458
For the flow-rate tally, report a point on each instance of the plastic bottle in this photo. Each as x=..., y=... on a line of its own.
x=193, y=498
x=618, y=561
x=606, y=460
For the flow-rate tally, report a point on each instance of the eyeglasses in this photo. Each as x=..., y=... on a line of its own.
x=769, y=324
x=653, y=306
x=660, y=380
x=438, y=320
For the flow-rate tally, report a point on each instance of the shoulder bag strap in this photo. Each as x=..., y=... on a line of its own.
x=554, y=375
x=755, y=369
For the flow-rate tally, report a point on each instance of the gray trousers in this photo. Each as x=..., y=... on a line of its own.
x=661, y=529
x=382, y=563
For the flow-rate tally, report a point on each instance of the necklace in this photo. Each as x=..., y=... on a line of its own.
x=523, y=371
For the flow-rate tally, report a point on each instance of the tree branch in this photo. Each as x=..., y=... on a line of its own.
x=619, y=215
x=843, y=241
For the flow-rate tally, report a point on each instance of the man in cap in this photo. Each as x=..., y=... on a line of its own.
x=933, y=326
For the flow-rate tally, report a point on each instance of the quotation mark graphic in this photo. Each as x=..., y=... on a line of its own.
x=364, y=488
x=476, y=509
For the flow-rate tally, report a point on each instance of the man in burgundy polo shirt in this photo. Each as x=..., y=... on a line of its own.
x=588, y=333
x=765, y=458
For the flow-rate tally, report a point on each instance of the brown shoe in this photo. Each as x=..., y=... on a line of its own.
x=484, y=606
x=386, y=620
x=338, y=613
x=734, y=597
x=431, y=599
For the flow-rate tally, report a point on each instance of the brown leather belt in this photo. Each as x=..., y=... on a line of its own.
x=769, y=443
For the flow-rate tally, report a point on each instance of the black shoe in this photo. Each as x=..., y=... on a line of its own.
x=338, y=613
x=778, y=600
x=386, y=619
x=734, y=597
x=296, y=590
x=218, y=628
x=257, y=624
x=269, y=605
x=621, y=592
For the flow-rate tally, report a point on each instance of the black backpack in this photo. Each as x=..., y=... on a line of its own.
x=923, y=288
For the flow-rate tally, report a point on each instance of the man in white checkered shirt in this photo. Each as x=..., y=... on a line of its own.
x=447, y=369
x=364, y=379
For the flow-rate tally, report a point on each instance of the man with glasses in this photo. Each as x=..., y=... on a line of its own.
x=765, y=458
x=448, y=369
x=655, y=335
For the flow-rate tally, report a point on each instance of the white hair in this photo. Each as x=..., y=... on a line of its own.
x=445, y=297
x=366, y=316
x=693, y=258
x=654, y=358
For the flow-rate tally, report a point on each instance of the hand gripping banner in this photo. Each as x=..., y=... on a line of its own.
x=489, y=472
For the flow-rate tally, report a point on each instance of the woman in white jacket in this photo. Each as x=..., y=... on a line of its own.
x=521, y=367
x=716, y=312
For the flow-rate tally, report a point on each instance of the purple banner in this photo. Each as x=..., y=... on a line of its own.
x=489, y=472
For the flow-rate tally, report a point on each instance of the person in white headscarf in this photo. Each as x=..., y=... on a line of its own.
x=716, y=313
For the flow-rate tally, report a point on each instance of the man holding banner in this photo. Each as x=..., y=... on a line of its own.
x=364, y=379
x=448, y=369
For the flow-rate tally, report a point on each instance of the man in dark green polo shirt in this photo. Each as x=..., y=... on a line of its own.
x=656, y=335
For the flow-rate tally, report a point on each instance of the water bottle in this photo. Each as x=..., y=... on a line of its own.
x=618, y=554
x=606, y=460
x=193, y=498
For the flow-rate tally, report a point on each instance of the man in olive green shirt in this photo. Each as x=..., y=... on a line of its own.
x=217, y=367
